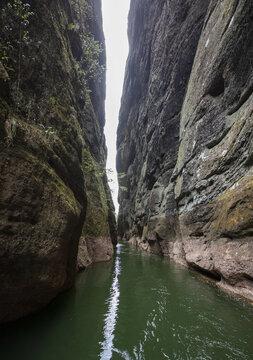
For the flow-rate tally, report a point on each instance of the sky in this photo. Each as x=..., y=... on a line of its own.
x=115, y=14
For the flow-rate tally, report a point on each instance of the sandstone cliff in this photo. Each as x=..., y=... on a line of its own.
x=185, y=136
x=53, y=184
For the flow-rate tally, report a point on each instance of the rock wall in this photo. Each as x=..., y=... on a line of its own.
x=185, y=136
x=53, y=184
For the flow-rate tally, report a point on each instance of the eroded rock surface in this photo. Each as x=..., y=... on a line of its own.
x=53, y=185
x=185, y=136
x=94, y=250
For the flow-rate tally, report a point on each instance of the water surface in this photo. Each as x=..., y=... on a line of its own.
x=137, y=306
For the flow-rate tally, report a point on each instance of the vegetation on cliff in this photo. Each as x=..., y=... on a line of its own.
x=52, y=90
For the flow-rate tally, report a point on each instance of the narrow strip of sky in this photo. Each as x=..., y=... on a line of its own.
x=115, y=14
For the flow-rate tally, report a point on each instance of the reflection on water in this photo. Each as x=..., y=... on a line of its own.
x=167, y=312
x=96, y=274
x=112, y=313
x=137, y=307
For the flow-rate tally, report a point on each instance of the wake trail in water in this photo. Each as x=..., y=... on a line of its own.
x=112, y=313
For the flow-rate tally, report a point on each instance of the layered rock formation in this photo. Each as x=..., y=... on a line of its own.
x=53, y=184
x=185, y=136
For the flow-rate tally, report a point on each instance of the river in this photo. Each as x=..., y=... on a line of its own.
x=137, y=306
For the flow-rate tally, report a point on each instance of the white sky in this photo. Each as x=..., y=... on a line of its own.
x=115, y=14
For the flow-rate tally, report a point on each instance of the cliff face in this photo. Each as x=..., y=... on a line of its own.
x=53, y=184
x=185, y=136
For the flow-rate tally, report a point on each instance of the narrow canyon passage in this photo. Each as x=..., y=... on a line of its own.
x=137, y=306
x=184, y=167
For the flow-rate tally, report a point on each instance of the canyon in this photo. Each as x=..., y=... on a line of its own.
x=184, y=144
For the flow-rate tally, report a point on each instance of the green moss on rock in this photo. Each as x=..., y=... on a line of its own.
x=96, y=222
x=47, y=116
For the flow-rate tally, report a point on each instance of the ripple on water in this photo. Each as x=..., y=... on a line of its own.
x=137, y=307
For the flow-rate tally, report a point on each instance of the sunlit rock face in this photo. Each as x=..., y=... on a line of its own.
x=185, y=136
x=53, y=185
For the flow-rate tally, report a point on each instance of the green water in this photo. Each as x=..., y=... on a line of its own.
x=136, y=307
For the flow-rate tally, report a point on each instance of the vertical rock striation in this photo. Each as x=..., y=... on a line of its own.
x=53, y=184
x=185, y=136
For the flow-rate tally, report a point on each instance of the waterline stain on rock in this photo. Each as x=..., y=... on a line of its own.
x=189, y=185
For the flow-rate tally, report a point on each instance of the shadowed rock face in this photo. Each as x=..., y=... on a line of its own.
x=52, y=149
x=185, y=136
